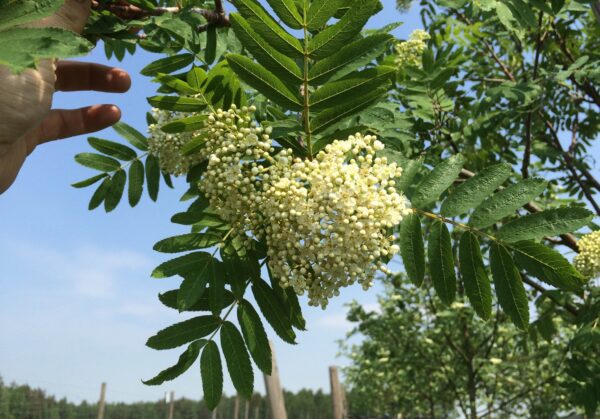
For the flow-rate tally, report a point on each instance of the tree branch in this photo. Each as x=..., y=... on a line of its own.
x=556, y=143
x=538, y=49
x=569, y=307
x=127, y=11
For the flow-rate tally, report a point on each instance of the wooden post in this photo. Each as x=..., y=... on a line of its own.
x=236, y=407
x=274, y=391
x=102, y=401
x=337, y=394
x=247, y=410
x=171, y=404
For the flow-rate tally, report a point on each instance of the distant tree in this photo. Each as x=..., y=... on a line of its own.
x=423, y=359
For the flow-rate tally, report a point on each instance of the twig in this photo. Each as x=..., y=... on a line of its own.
x=538, y=49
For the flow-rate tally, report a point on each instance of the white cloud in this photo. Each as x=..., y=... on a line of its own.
x=334, y=321
x=88, y=271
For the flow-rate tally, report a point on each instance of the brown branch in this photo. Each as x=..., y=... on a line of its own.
x=569, y=307
x=127, y=11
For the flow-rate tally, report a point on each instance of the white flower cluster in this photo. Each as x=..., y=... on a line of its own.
x=167, y=147
x=329, y=217
x=410, y=52
x=326, y=221
x=236, y=149
x=588, y=259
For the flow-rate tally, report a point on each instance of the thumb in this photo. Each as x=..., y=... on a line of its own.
x=72, y=15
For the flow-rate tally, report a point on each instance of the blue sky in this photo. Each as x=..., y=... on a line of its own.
x=77, y=302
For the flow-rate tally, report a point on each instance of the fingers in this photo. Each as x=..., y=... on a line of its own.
x=72, y=76
x=63, y=123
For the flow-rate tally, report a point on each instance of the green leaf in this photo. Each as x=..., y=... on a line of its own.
x=115, y=190
x=336, y=114
x=184, y=363
x=551, y=222
x=264, y=24
x=194, y=284
x=183, y=332
x=288, y=13
x=337, y=36
x=474, y=191
x=321, y=11
x=136, y=182
x=196, y=78
x=474, y=276
x=547, y=265
x=206, y=218
x=190, y=241
x=279, y=64
x=152, y=176
x=178, y=103
x=255, y=336
x=210, y=52
x=90, y=181
x=274, y=312
x=176, y=84
x=97, y=162
x=409, y=171
x=169, y=299
x=437, y=181
x=188, y=124
x=99, y=194
x=181, y=265
x=506, y=202
x=133, y=136
x=237, y=359
x=412, y=248
x=113, y=149
x=168, y=65
x=17, y=12
x=441, y=262
x=352, y=87
x=22, y=48
x=262, y=80
x=196, y=144
x=211, y=371
x=216, y=289
x=328, y=67
x=289, y=301
x=509, y=286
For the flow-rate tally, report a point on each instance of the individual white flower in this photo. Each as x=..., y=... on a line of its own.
x=588, y=259
x=409, y=52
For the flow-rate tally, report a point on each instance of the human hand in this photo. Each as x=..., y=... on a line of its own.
x=26, y=117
